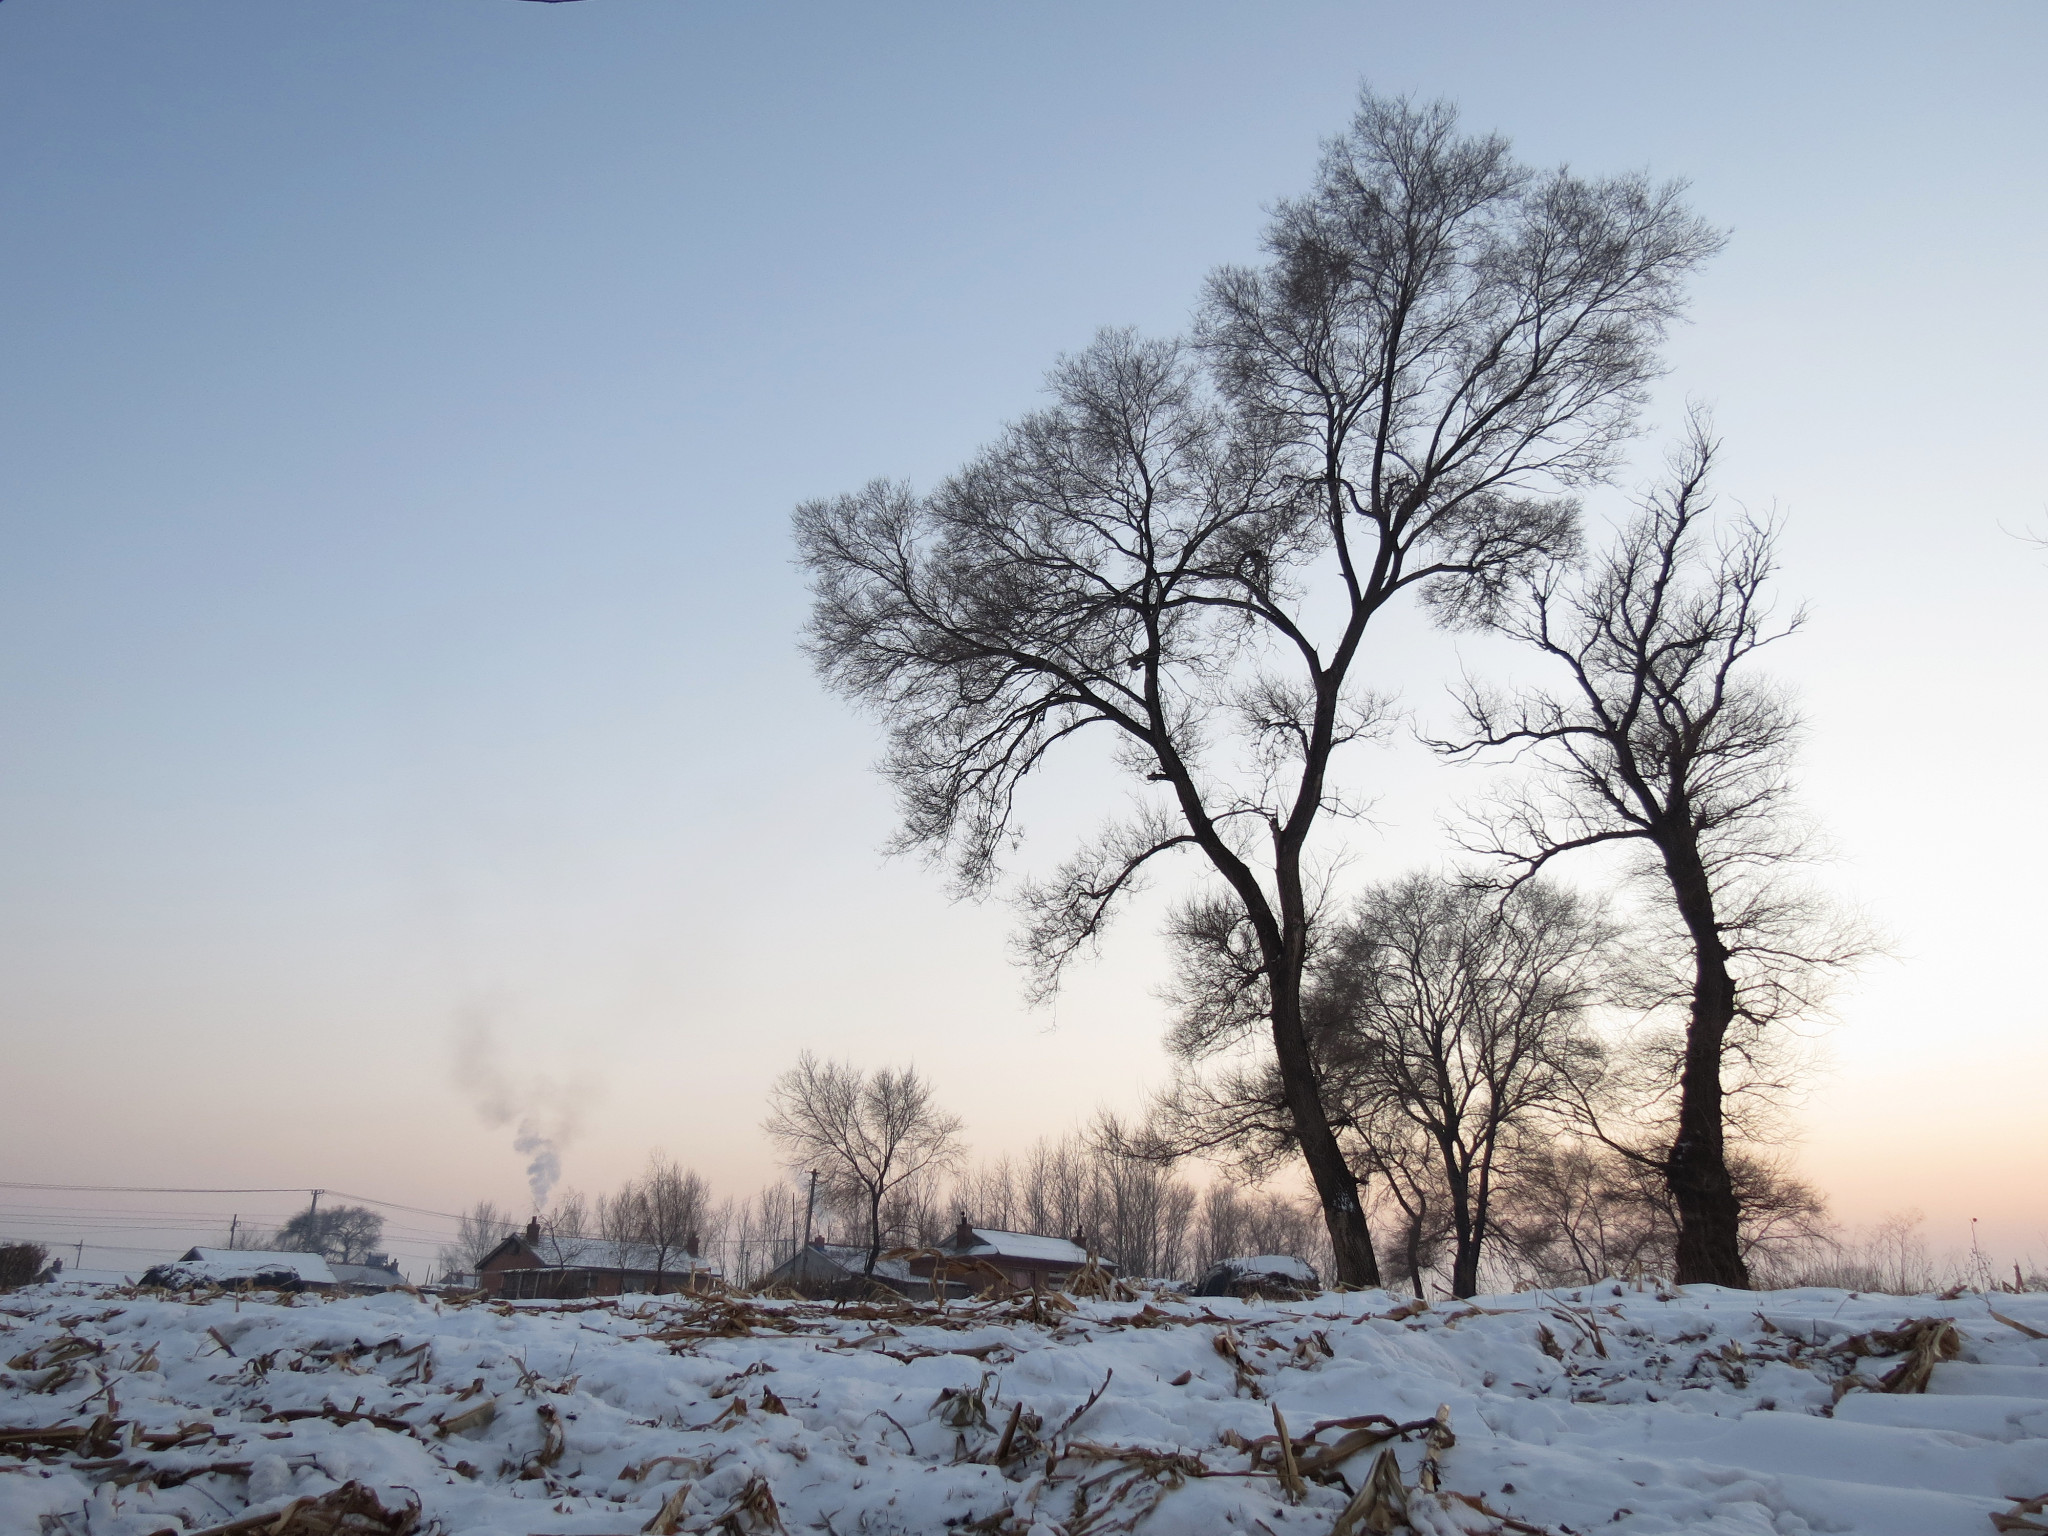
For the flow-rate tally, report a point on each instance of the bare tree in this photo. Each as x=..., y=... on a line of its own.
x=1578, y=1212
x=1663, y=740
x=567, y=1229
x=865, y=1133
x=478, y=1230
x=1470, y=1014
x=346, y=1233
x=674, y=1205
x=763, y=1233
x=663, y=1212
x=1442, y=1021
x=1187, y=547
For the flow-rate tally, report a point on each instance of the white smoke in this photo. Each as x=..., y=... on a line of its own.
x=545, y=1171
x=544, y=1113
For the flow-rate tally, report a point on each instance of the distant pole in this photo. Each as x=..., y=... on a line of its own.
x=233, y=1222
x=314, y=1208
x=80, y=1246
x=810, y=1206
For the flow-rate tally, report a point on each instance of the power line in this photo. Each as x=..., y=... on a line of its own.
x=163, y=1189
x=154, y=1189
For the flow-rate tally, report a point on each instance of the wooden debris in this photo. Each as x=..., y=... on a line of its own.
x=1225, y=1344
x=669, y=1518
x=350, y=1510
x=1290, y=1474
x=1380, y=1506
x=2032, y=1333
x=1924, y=1341
x=478, y=1417
x=752, y=1511
x=2025, y=1516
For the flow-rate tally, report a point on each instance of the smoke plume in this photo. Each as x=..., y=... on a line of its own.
x=543, y=1113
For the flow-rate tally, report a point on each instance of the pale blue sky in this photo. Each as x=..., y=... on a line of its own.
x=403, y=403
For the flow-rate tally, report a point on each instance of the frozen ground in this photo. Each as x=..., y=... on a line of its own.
x=1608, y=1409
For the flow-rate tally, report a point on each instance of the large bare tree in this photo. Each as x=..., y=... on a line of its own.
x=1471, y=1017
x=1663, y=738
x=866, y=1134
x=1446, y=1025
x=1185, y=549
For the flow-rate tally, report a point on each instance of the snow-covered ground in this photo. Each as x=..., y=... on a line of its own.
x=1608, y=1409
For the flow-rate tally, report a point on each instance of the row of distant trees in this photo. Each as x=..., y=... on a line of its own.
x=1190, y=554
x=1542, y=1206
x=1127, y=1210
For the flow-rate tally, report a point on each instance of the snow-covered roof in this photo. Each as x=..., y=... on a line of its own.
x=1283, y=1264
x=366, y=1276
x=994, y=1243
x=228, y=1264
x=853, y=1259
x=595, y=1253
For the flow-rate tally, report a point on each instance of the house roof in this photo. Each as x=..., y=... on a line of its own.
x=596, y=1253
x=992, y=1243
x=229, y=1264
x=366, y=1276
x=1284, y=1265
x=848, y=1258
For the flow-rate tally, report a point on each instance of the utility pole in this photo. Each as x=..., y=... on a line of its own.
x=810, y=1205
x=80, y=1246
x=314, y=1208
x=233, y=1222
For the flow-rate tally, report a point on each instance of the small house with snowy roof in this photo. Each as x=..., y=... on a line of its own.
x=530, y=1266
x=825, y=1271
x=1028, y=1260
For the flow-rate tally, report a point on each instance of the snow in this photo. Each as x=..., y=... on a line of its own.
x=1609, y=1408
x=228, y=1264
x=1285, y=1265
x=1025, y=1245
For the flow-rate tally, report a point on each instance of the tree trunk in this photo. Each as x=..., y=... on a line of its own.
x=1415, y=1251
x=874, y=1234
x=1696, y=1170
x=1336, y=1185
x=1465, y=1233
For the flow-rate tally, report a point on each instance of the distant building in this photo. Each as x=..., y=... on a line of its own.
x=254, y=1269
x=375, y=1273
x=1028, y=1260
x=526, y=1267
x=826, y=1271
x=1274, y=1276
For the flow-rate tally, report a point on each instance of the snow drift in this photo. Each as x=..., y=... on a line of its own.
x=124, y=1413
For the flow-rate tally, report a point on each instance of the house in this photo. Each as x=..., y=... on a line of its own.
x=252, y=1269
x=823, y=1271
x=528, y=1266
x=244, y=1269
x=1274, y=1276
x=1027, y=1260
x=375, y=1273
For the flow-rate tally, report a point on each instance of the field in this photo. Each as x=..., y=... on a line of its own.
x=1611, y=1409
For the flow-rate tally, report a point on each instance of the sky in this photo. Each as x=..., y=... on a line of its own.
x=402, y=724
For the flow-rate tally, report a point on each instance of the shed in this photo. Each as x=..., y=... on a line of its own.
x=1028, y=1260
x=826, y=1271
x=244, y=1269
x=1276, y=1276
x=377, y=1274
x=528, y=1266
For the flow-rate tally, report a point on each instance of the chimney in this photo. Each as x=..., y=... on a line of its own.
x=963, y=1235
x=533, y=1232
